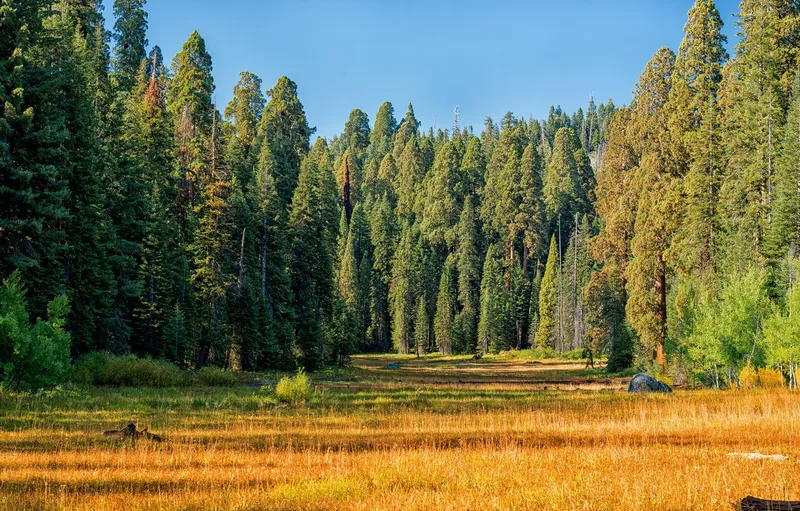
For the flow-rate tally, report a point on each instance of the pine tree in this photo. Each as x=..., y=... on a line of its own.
x=383, y=238
x=446, y=304
x=405, y=132
x=533, y=307
x=90, y=263
x=130, y=34
x=404, y=290
x=617, y=198
x=468, y=264
x=784, y=234
x=356, y=133
x=473, y=166
x=33, y=173
x=148, y=142
x=695, y=133
x=285, y=130
x=493, y=328
x=646, y=275
x=444, y=196
x=312, y=226
x=547, y=334
x=561, y=183
x=410, y=173
x=421, y=327
x=753, y=99
x=382, y=134
x=531, y=212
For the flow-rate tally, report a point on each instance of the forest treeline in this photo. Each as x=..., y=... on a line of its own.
x=137, y=216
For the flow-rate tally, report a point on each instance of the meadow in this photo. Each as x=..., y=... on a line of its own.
x=437, y=433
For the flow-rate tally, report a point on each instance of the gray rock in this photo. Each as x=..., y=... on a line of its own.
x=392, y=366
x=645, y=383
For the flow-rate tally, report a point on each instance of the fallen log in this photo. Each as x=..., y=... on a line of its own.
x=754, y=504
x=130, y=432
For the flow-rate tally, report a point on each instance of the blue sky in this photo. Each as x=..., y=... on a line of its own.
x=487, y=57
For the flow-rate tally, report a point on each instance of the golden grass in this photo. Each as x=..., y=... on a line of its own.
x=410, y=449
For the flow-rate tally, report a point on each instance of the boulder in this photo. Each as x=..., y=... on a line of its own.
x=392, y=366
x=645, y=383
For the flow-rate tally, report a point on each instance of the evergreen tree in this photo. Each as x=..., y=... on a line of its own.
x=404, y=290
x=284, y=129
x=33, y=173
x=784, y=234
x=561, y=183
x=405, y=132
x=547, y=334
x=468, y=264
x=446, y=304
x=130, y=34
x=312, y=226
x=421, y=327
x=493, y=325
x=382, y=134
x=655, y=218
x=410, y=173
x=444, y=196
x=695, y=133
x=356, y=133
x=383, y=237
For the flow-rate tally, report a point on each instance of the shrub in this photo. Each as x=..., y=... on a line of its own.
x=544, y=352
x=576, y=354
x=294, y=389
x=748, y=378
x=216, y=377
x=33, y=354
x=771, y=378
x=127, y=371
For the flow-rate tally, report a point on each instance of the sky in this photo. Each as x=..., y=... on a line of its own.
x=485, y=57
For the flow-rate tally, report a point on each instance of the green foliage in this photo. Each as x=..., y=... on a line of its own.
x=782, y=330
x=105, y=369
x=728, y=330
x=215, y=377
x=32, y=355
x=547, y=333
x=493, y=325
x=295, y=389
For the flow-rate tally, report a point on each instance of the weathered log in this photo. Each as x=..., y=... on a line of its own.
x=754, y=504
x=130, y=432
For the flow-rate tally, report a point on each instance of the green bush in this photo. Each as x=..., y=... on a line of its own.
x=576, y=354
x=294, y=389
x=127, y=371
x=33, y=355
x=542, y=353
x=216, y=377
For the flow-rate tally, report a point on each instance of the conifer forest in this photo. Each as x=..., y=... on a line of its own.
x=139, y=217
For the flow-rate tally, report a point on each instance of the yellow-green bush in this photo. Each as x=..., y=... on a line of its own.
x=294, y=389
x=748, y=378
x=771, y=378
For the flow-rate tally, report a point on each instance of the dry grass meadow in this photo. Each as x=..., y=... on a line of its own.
x=436, y=434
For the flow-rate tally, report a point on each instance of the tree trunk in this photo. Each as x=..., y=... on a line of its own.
x=661, y=297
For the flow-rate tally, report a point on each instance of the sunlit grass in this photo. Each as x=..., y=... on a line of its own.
x=397, y=446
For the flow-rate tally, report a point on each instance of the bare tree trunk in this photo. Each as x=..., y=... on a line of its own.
x=661, y=297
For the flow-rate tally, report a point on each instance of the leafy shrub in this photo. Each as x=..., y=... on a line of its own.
x=216, y=377
x=771, y=378
x=543, y=352
x=294, y=389
x=127, y=371
x=33, y=355
x=576, y=354
x=748, y=377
